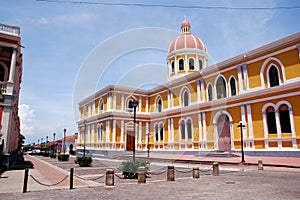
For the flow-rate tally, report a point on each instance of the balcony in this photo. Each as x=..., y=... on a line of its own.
x=10, y=30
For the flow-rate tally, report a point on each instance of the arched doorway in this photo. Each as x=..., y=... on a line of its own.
x=224, y=141
x=129, y=136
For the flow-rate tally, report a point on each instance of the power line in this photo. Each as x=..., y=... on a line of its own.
x=171, y=6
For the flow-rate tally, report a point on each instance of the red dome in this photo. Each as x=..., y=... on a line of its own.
x=187, y=41
x=185, y=23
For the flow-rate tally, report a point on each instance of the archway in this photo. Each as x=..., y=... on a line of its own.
x=224, y=141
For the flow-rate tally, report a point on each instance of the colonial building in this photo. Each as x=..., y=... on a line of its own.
x=200, y=107
x=10, y=80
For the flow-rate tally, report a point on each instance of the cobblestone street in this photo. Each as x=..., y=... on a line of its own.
x=234, y=182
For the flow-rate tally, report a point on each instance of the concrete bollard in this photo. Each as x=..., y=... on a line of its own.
x=215, y=169
x=142, y=175
x=260, y=165
x=171, y=173
x=196, y=173
x=110, y=175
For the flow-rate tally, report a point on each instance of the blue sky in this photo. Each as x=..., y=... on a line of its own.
x=60, y=37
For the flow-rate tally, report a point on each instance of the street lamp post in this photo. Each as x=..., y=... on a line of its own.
x=46, y=139
x=53, y=142
x=241, y=126
x=84, y=129
x=148, y=145
x=134, y=104
x=65, y=130
x=41, y=142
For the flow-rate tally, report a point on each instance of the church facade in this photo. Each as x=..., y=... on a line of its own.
x=201, y=106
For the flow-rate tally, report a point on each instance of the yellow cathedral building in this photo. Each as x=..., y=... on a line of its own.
x=200, y=107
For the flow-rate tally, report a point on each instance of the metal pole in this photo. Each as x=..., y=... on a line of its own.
x=65, y=141
x=242, y=141
x=71, y=178
x=148, y=145
x=84, y=130
x=53, y=143
x=134, y=115
x=25, y=181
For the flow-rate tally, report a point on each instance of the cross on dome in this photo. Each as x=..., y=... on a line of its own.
x=185, y=26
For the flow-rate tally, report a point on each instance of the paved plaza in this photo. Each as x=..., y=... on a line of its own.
x=234, y=182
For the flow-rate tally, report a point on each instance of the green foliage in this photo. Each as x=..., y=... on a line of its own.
x=84, y=161
x=44, y=148
x=130, y=168
x=63, y=157
x=45, y=153
x=53, y=155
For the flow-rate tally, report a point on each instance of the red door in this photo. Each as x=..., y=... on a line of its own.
x=224, y=141
x=129, y=141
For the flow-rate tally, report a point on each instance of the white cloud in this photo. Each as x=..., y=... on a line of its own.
x=26, y=115
x=72, y=18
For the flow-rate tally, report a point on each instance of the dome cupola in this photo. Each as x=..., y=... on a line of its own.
x=186, y=54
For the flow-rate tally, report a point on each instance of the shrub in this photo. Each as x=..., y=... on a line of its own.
x=84, y=161
x=63, y=157
x=130, y=168
x=46, y=154
x=53, y=155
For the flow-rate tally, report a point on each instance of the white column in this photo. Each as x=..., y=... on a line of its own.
x=147, y=102
x=115, y=101
x=140, y=104
x=240, y=80
x=107, y=131
x=172, y=129
x=216, y=136
x=202, y=90
x=93, y=134
x=114, y=130
x=204, y=129
x=243, y=116
x=186, y=63
x=122, y=131
x=175, y=64
x=265, y=129
x=278, y=127
x=200, y=127
x=108, y=101
x=13, y=65
x=245, y=70
x=169, y=129
x=89, y=134
x=294, y=141
x=198, y=90
x=123, y=102
x=250, y=125
x=147, y=134
x=140, y=132
x=197, y=63
x=169, y=100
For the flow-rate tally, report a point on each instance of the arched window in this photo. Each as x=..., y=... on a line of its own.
x=273, y=76
x=161, y=132
x=182, y=129
x=172, y=67
x=221, y=88
x=185, y=98
x=100, y=131
x=189, y=129
x=209, y=91
x=156, y=132
x=284, y=118
x=232, y=86
x=101, y=106
x=159, y=105
x=200, y=64
x=2, y=73
x=181, y=64
x=191, y=64
x=271, y=120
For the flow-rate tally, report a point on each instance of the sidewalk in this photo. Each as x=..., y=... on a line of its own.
x=43, y=172
x=249, y=160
